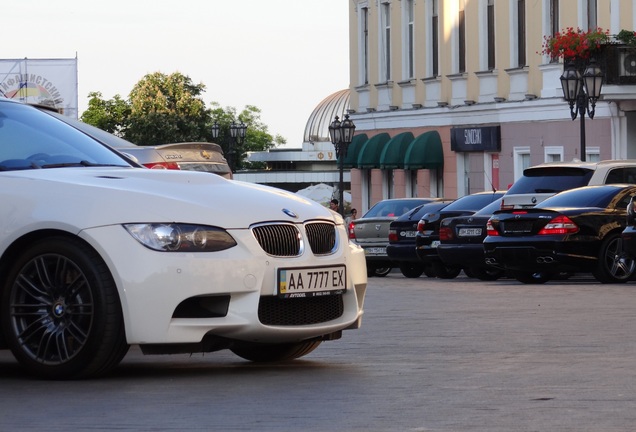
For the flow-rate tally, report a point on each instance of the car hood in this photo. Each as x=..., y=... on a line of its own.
x=88, y=197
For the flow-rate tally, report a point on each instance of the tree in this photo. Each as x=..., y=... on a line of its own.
x=257, y=137
x=111, y=115
x=164, y=109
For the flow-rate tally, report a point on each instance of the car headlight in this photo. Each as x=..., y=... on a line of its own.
x=177, y=237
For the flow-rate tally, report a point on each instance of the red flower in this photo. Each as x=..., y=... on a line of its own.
x=572, y=44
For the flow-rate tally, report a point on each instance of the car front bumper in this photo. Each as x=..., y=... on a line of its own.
x=153, y=284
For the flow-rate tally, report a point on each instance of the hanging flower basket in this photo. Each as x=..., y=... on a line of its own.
x=575, y=44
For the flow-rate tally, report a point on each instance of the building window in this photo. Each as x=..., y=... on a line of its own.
x=461, y=33
x=553, y=154
x=592, y=154
x=388, y=184
x=435, y=37
x=592, y=22
x=490, y=16
x=521, y=161
x=554, y=22
x=521, y=33
x=408, y=44
x=364, y=45
x=385, y=40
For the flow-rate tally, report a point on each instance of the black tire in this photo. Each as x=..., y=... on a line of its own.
x=486, y=273
x=443, y=271
x=61, y=314
x=429, y=271
x=382, y=271
x=411, y=270
x=614, y=265
x=263, y=353
x=535, y=278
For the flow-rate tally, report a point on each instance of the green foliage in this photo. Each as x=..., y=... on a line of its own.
x=111, y=115
x=164, y=109
x=257, y=137
x=626, y=36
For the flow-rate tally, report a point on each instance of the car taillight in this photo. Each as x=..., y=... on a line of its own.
x=559, y=225
x=506, y=206
x=490, y=230
x=393, y=236
x=163, y=165
x=420, y=226
x=445, y=234
x=352, y=234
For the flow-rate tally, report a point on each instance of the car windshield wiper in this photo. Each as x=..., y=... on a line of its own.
x=82, y=163
x=19, y=167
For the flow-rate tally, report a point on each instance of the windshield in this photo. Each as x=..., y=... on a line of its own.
x=32, y=139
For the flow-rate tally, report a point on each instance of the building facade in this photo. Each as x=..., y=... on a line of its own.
x=466, y=79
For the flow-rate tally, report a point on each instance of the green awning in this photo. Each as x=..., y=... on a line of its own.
x=351, y=159
x=425, y=152
x=392, y=156
x=370, y=152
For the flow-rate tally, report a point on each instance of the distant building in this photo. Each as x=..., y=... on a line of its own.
x=473, y=73
x=297, y=168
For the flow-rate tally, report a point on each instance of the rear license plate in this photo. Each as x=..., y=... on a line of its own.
x=469, y=232
x=311, y=281
x=434, y=243
x=409, y=233
x=375, y=251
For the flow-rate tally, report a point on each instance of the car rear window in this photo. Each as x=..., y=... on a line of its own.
x=472, y=202
x=584, y=197
x=393, y=208
x=551, y=180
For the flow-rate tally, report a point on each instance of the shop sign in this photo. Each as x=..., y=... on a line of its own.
x=476, y=139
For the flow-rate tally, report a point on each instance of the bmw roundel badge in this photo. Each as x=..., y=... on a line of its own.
x=290, y=213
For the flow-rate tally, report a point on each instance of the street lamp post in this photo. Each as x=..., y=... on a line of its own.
x=581, y=93
x=235, y=139
x=341, y=134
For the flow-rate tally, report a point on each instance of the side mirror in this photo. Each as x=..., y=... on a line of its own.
x=631, y=212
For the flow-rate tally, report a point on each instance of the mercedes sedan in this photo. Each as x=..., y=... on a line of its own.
x=575, y=231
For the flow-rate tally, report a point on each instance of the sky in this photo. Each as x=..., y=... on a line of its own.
x=282, y=56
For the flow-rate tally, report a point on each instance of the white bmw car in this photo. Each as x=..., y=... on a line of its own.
x=97, y=254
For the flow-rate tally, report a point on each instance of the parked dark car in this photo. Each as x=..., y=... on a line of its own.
x=461, y=245
x=371, y=231
x=402, y=231
x=427, y=238
x=576, y=231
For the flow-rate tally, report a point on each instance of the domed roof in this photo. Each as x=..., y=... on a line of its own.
x=317, y=128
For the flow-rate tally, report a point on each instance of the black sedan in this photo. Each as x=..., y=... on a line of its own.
x=461, y=245
x=427, y=238
x=575, y=231
x=402, y=231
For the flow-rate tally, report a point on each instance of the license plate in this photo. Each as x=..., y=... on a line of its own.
x=409, y=233
x=434, y=243
x=311, y=281
x=469, y=232
x=375, y=251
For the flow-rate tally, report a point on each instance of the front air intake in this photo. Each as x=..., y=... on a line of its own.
x=321, y=238
x=279, y=239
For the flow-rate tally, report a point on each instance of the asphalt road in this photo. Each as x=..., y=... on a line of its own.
x=432, y=355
